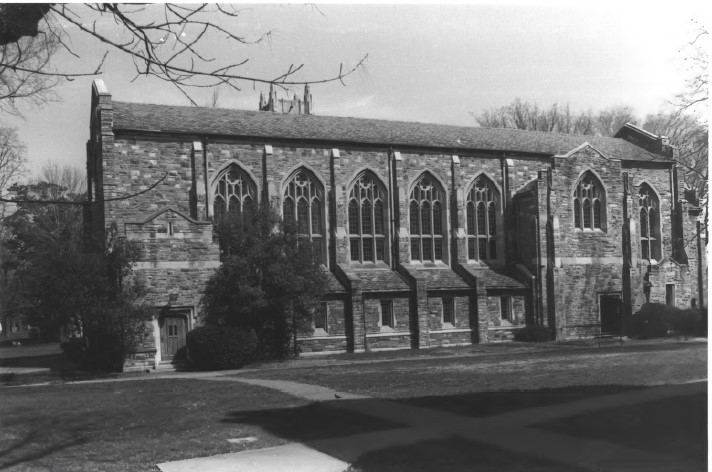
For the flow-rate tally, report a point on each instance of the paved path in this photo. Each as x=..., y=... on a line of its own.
x=510, y=431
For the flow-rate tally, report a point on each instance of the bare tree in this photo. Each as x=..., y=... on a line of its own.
x=165, y=42
x=692, y=140
x=12, y=158
x=522, y=114
x=70, y=181
x=25, y=72
x=697, y=84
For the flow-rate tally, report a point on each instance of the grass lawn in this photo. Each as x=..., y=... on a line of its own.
x=674, y=426
x=453, y=455
x=643, y=365
x=128, y=426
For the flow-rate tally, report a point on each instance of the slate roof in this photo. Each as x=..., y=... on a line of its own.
x=380, y=280
x=333, y=129
x=495, y=278
x=332, y=283
x=440, y=278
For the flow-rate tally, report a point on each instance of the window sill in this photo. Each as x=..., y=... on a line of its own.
x=448, y=326
x=429, y=265
x=369, y=265
x=320, y=332
x=589, y=231
x=386, y=329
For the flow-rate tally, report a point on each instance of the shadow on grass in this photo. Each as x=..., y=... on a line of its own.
x=675, y=426
x=494, y=403
x=30, y=449
x=388, y=446
x=315, y=421
x=452, y=454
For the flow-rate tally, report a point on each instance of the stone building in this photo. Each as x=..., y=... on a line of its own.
x=431, y=235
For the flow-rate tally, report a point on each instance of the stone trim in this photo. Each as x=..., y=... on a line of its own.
x=321, y=337
x=561, y=261
x=143, y=265
x=388, y=334
x=451, y=330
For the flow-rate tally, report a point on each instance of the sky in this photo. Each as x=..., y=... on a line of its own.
x=427, y=63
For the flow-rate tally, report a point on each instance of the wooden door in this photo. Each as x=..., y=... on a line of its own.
x=172, y=337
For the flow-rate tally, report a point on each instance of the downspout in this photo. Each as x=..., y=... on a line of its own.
x=391, y=211
x=205, y=177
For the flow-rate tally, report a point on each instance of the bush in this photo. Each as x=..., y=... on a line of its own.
x=221, y=347
x=535, y=334
x=74, y=349
x=657, y=320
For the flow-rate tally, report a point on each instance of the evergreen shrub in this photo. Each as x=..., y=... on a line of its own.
x=221, y=347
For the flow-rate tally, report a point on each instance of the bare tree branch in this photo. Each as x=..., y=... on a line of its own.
x=169, y=46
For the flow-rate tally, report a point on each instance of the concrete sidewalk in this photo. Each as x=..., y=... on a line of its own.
x=510, y=431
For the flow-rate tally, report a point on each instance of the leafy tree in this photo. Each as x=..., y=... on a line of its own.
x=525, y=115
x=64, y=281
x=269, y=281
x=165, y=41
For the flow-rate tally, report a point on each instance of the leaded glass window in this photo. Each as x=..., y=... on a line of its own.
x=427, y=220
x=367, y=219
x=482, y=219
x=235, y=192
x=303, y=205
x=589, y=203
x=650, y=244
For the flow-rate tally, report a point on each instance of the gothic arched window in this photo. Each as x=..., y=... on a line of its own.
x=427, y=220
x=235, y=192
x=650, y=244
x=482, y=218
x=367, y=220
x=303, y=205
x=589, y=203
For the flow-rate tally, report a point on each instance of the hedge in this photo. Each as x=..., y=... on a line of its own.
x=658, y=320
x=533, y=334
x=221, y=347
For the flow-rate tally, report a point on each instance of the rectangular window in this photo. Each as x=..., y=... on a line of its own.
x=438, y=249
x=320, y=316
x=670, y=294
x=482, y=246
x=427, y=249
x=387, y=313
x=380, y=249
x=367, y=250
x=506, y=307
x=355, y=250
x=449, y=311
x=471, y=248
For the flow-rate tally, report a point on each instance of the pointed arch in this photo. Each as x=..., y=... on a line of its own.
x=650, y=221
x=428, y=221
x=234, y=190
x=304, y=204
x=484, y=218
x=589, y=202
x=367, y=215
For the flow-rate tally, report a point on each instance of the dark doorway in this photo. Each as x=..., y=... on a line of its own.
x=611, y=315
